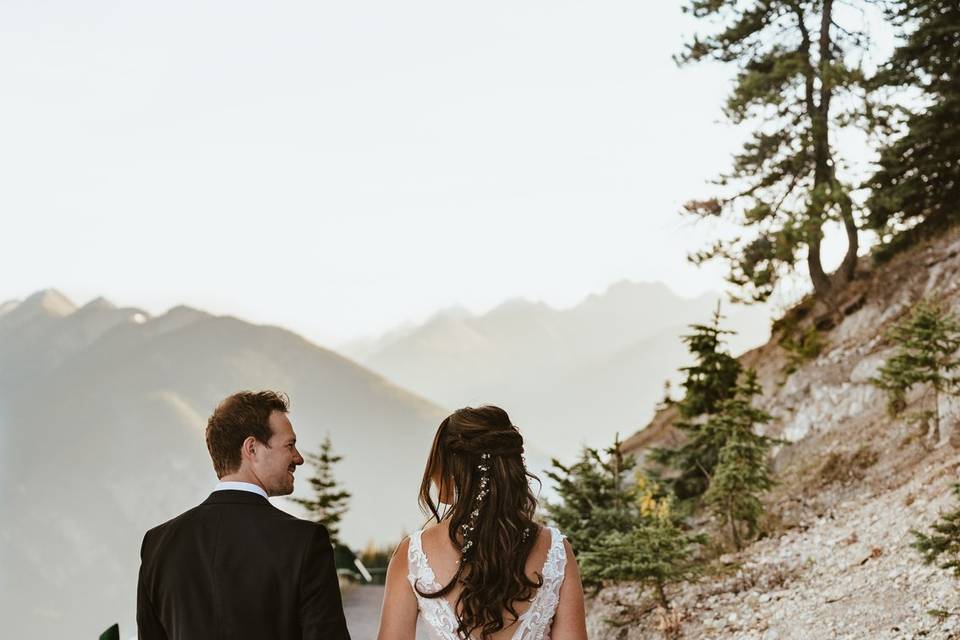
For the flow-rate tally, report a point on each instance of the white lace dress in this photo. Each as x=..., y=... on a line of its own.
x=534, y=623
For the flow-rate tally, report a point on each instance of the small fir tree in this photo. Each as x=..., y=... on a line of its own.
x=620, y=523
x=710, y=381
x=595, y=495
x=927, y=342
x=713, y=377
x=943, y=543
x=742, y=473
x=329, y=502
x=654, y=551
x=667, y=400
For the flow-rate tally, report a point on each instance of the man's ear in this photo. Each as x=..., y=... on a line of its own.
x=249, y=447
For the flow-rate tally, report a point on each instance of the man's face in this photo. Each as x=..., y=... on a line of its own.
x=274, y=465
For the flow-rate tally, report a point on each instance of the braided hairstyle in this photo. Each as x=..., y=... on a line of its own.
x=477, y=455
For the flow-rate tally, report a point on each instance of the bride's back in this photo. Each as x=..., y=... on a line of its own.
x=444, y=559
x=485, y=569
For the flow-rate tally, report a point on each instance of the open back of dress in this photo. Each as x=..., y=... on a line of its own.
x=533, y=624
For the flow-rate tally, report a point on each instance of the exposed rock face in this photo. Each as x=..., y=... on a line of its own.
x=837, y=561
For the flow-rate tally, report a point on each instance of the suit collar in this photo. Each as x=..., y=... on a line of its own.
x=233, y=496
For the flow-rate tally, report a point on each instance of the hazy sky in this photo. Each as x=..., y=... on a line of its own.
x=338, y=168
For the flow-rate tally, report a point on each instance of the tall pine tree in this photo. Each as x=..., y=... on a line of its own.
x=927, y=343
x=918, y=174
x=795, y=71
x=742, y=473
x=329, y=502
x=710, y=381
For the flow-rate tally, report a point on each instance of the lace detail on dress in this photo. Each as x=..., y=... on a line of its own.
x=534, y=623
x=435, y=611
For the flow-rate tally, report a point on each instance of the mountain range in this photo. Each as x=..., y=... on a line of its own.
x=567, y=376
x=102, y=412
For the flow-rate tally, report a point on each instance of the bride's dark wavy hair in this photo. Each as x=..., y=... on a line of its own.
x=490, y=522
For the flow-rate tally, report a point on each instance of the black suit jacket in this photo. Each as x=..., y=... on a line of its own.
x=236, y=567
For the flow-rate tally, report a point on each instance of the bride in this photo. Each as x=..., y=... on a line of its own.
x=483, y=569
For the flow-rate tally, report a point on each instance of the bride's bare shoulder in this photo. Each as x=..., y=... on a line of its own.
x=434, y=530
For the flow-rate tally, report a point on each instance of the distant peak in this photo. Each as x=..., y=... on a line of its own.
x=176, y=318
x=9, y=305
x=183, y=312
x=98, y=303
x=456, y=312
x=49, y=301
x=519, y=304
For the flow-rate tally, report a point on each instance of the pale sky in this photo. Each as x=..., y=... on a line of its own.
x=338, y=168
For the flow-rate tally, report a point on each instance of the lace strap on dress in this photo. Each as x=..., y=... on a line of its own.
x=557, y=556
x=416, y=559
x=435, y=611
x=537, y=620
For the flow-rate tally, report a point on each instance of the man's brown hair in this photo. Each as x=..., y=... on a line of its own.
x=244, y=414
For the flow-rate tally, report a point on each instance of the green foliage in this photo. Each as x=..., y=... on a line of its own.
x=667, y=400
x=742, y=473
x=329, y=502
x=794, y=59
x=654, y=552
x=927, y=341
x=620, y=524
x=918, y=174
x=595, y=496
x=113, y=633
x=801, y=346
x=710, y=381
x=943, y=542
x=712, y=378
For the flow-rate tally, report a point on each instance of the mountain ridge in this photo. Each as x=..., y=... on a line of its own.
x=526, y=356
x=114, y=404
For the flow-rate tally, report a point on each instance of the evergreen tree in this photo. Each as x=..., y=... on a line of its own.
x=619, y=523
x=595, y=495
x=943, y=541
x=927, y=342
x=667, y=400
x=918, y=175
x=742, y=472
x=655, y=553
x=795, y=63
x=713, y=377
x=710, y=381
x=329, y=502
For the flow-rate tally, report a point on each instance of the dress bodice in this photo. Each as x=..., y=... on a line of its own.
x=438, y=613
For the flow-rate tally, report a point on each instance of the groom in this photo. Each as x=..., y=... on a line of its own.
x=235, y=566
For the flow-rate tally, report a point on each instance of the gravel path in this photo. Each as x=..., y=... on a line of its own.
x=361, y=605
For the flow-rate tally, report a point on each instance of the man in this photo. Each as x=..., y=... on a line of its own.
x=236, y=567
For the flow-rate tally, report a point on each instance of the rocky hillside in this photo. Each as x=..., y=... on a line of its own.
x=835, y=561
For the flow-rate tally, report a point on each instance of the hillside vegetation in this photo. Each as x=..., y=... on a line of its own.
x=834, y=556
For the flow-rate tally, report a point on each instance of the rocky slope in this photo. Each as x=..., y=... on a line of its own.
x=835, y=561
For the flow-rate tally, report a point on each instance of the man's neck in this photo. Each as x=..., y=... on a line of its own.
x=243, y=476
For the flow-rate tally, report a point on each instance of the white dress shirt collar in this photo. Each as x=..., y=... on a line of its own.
x=240, y=486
